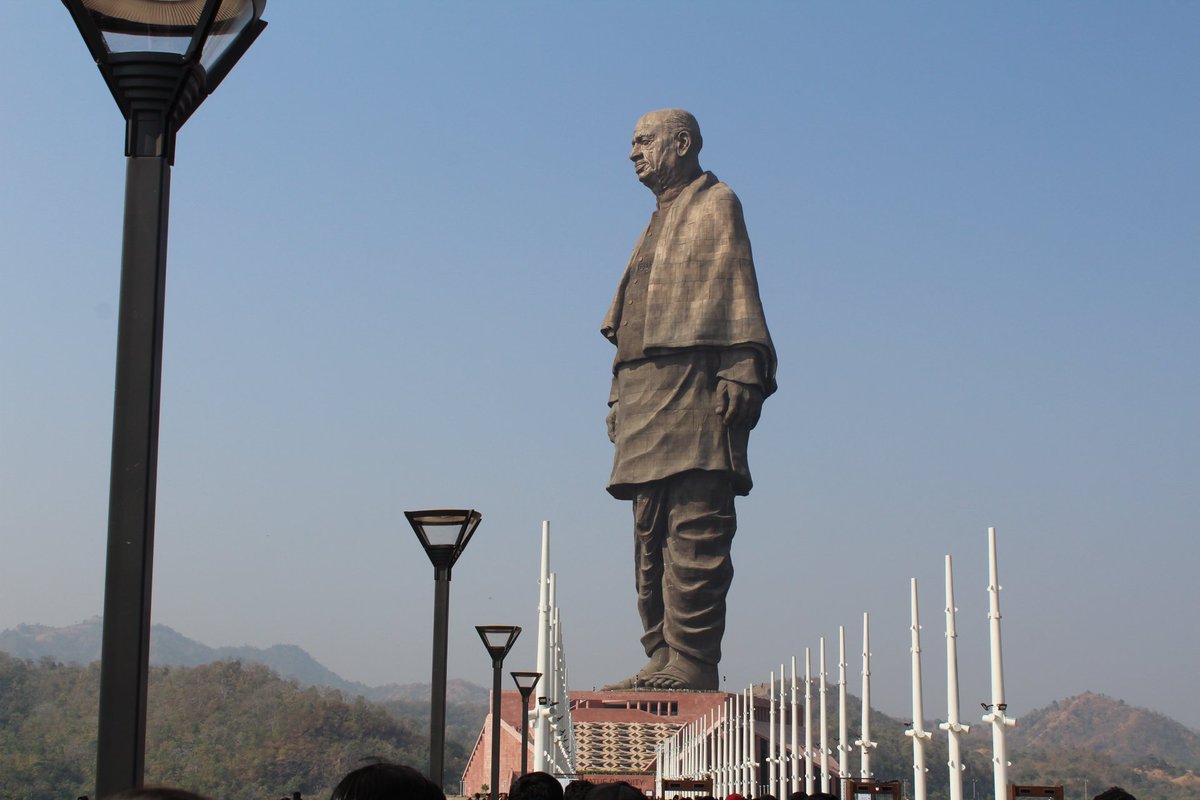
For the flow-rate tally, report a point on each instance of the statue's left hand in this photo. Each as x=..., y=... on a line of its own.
x=738, y=404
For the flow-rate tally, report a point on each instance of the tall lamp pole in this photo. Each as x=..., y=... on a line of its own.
x=525, y=681
x=498, y=639
x=443, y=534
x=160, y=59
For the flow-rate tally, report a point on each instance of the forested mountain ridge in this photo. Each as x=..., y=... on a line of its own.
x=80, y=644
x=228, y=730
x=238, y=730
x=1088, y=737
x=1092, y=721
x=1106, y=741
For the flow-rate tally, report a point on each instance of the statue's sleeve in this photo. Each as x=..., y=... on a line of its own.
x=740, y=365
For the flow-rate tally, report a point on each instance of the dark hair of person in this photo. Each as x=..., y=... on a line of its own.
x=155, y=793
x=535, y=786
x=617, y=790
x=577, y=789
x=385, y=781
x=800, y=795
x=1114, y=793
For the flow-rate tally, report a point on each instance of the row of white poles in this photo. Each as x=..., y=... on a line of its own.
x=550, y=718
x=723, y=745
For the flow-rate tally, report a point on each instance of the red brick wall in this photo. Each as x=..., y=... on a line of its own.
x=479, y=767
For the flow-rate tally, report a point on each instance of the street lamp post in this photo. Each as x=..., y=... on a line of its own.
x=498, y=639
x=160, y=59
x=525, y=681
x=444, y=534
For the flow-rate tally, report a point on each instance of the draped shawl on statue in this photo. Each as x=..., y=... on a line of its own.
x=702, y=288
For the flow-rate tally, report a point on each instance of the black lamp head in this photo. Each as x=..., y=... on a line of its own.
x=498, y=639
x=162, y=58
x=526, y=681
x=444, y=533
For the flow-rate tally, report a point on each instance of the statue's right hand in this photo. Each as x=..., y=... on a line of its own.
x=611, y=421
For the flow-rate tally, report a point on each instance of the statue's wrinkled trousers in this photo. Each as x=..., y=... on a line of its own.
x=684, y=526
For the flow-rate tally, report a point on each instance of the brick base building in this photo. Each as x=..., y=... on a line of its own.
x=616, y=734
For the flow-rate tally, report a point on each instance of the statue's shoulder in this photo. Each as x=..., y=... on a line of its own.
x=713, y=196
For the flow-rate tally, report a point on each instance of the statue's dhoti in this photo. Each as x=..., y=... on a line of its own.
x=683, y=529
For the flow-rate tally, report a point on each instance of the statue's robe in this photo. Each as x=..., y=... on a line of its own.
x=693, y=296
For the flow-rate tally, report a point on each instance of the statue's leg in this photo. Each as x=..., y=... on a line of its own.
x=697, y=573
x=650, y=516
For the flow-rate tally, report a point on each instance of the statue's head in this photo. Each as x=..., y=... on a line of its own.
x=666, y=149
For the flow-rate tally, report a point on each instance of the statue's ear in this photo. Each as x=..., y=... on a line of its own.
x=683, y=143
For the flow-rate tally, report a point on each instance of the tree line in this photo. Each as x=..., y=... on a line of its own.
x=225, y=729
x=240, y=732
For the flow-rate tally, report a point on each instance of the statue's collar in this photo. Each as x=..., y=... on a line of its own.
x=701, y=181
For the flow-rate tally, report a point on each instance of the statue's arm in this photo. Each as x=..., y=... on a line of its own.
x=740, y=387
x=611, y=419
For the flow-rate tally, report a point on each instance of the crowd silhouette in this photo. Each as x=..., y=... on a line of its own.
x=383, y=780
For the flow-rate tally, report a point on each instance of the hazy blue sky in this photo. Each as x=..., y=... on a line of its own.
x=393, y=238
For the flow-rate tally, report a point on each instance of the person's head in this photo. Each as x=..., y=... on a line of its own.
x=800, y=795
x=666, y=149
x=155, y=793
x=577, y=789
x=617, y=790
x=535, y=786
x=384, y=781
x=1114, y=793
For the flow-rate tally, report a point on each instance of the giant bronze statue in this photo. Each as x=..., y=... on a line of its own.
x=694, y=363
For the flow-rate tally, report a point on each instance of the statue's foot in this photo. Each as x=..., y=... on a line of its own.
x=684, y=672
x=658, y=661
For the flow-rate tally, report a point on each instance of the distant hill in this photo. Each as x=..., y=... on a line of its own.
x=1087, y=737
x=1127, y=734
x=80, y=644
x=225, y=729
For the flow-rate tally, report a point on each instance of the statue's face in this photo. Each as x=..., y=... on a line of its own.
x=655, y=153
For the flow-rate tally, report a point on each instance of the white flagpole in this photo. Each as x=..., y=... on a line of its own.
x=660, y=755
x=997, y=715
x=782, y=752
x=718, y=741
x=772, y=767
x=723, y=753
x=843, y=747
x=824, y=729
x=808, y=745
x=751, y=745
x=917, y=732
x=733, y=784
x=747, y=738
x=553, y=692
x=727, y=783
x=739, y=743
x=952, y=726
x=865, y=742
x=711, y=744
x=688, y=760
x=727, y=749
x=542, y=713
x=795, y=756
